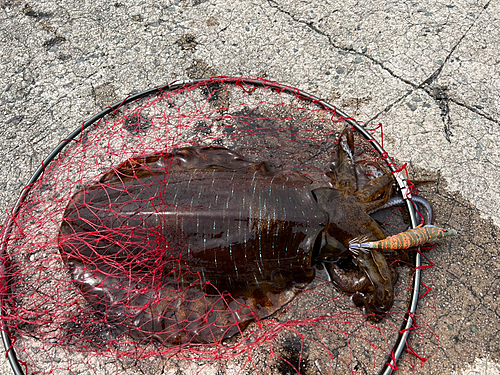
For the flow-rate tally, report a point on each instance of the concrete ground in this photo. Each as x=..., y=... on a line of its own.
x=429, y=71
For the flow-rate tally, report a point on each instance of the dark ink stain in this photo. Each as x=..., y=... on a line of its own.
x=291, y=358
x=96, y=336
x=187, y=42
x=104, y=94
x=203, y=128
x=253, y=121
x=29, y=325
x=30, y=12
x=214, y=92
x=136, y=124
x=54, y=42
x=200, y=69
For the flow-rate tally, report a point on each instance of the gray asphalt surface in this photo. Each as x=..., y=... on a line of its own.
x=429, y=71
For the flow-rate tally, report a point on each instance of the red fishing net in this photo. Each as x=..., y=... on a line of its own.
x=109, y=263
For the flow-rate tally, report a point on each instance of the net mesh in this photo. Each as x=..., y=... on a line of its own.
x=110, y=292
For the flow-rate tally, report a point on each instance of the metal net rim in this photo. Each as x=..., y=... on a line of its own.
x=406, y=327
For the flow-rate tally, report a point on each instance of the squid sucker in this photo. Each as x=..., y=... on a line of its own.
x=192, y=245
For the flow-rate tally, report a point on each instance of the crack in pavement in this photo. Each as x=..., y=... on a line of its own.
x=439, y=94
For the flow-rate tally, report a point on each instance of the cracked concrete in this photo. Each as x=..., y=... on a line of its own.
x=429, y=71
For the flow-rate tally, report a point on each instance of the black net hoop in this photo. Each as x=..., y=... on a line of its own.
x=137, y=125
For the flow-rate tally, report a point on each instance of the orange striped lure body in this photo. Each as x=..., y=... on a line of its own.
x=420, y=235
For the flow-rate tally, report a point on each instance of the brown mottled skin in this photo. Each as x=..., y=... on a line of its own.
x=159, y=239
